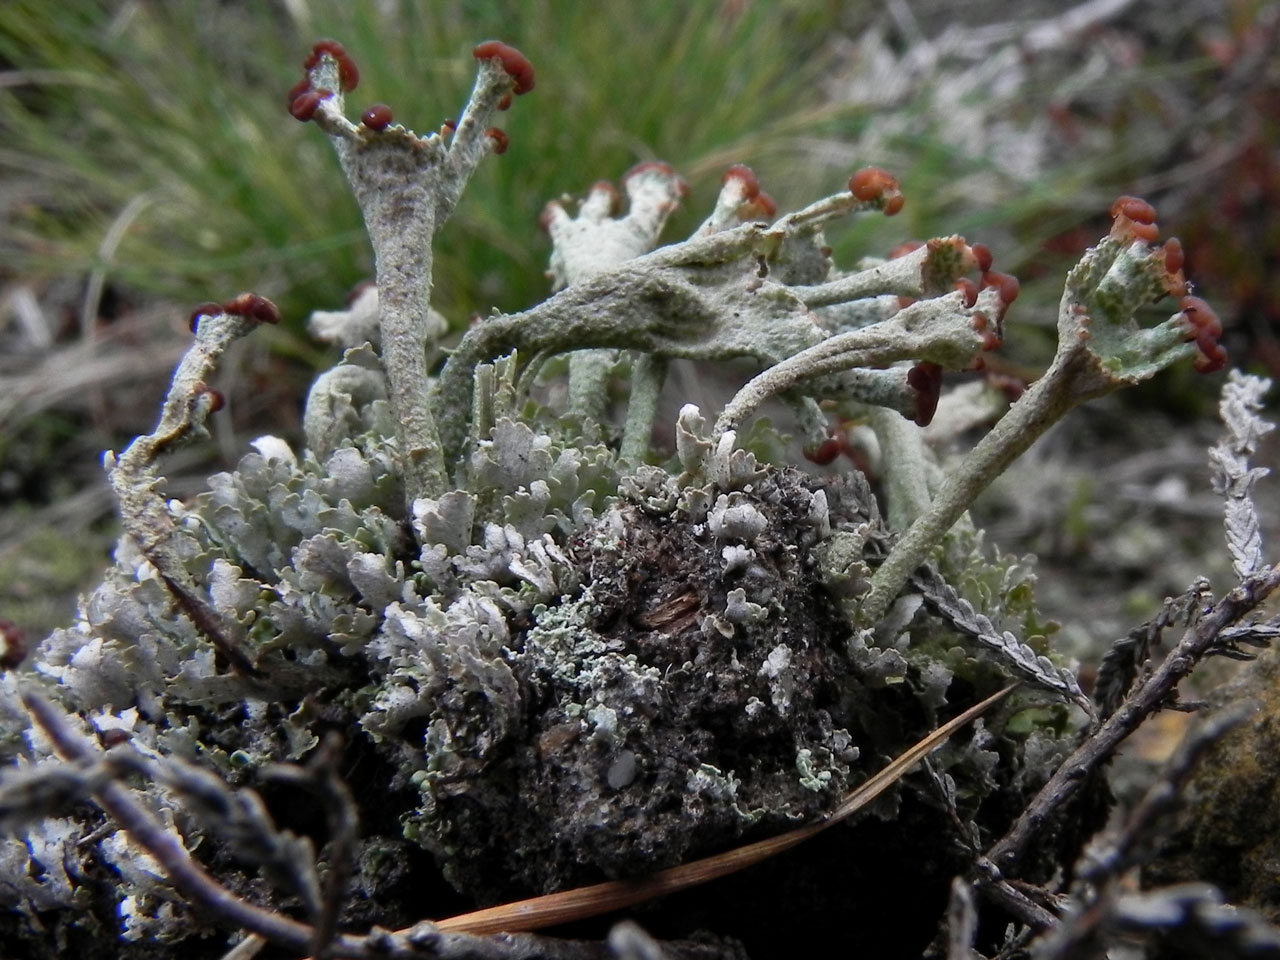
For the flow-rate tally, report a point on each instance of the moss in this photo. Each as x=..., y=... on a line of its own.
x=1229, y=832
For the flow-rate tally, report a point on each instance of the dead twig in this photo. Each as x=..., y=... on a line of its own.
x=1154, y=693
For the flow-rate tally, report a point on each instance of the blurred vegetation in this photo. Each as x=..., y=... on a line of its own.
x=173, y=115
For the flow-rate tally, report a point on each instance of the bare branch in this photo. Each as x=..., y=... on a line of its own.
x=166, y=847
x=1110, y=855
x=1151, y=695
x=1121, y=663
x=320, y=776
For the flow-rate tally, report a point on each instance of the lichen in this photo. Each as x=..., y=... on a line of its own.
x=551, y=661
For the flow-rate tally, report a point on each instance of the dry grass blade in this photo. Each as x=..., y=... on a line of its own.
x=583, y=902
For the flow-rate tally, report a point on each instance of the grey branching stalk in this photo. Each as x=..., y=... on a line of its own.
x=407, y=186
x=761, y=291
x=134, y=477
x=592, y=243
x=1100, y=349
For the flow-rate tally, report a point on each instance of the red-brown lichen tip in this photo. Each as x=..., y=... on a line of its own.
x=1175, y=282
x=1204, y=328
x=982, y=256
x=872, y=183
x=1005, y=283
x=304, y=106
x=548, y=215
x=499, y=138
x=1202, y=317
x=1135, y=219
x=991, y=339
x=825, y=452
x=329, y=46
x=926, y=379
x=13, y=645
x=332, y=47
x=505, y=102
x=515, y=63
x=1212, y=358
x=907, y=246
x=358, y=290
x=1135, y=208
x=760, y=207
x=660, y=168
x=348, y=72
x=254, y=306
x=650, y=166
x=216, y=399
x=1147, y=232
x=746, y=176
x=607, y=188
x=298, y=89
x=969, y=289
x=377, y=117
x=206, y=309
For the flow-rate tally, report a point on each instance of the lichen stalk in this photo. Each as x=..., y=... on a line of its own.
x=1027, y=420
x=717, y=296
x=406, y=187
x=580, y=665
x=134, y=477
x=648, y=373
x=902, y=445
x=939, y=330
x=1100, y=349
x=592, y=243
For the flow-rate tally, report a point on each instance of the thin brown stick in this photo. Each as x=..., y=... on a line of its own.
x=1155, y=692
x=147, y=831
x=582, y=902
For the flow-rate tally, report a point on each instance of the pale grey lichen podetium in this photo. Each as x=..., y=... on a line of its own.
x=407, y=186
x=1100, y=348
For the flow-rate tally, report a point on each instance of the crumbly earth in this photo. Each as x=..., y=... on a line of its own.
x=704, y=690
x=692, y=691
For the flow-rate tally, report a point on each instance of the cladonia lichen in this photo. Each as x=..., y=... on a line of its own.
x=552, y=657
